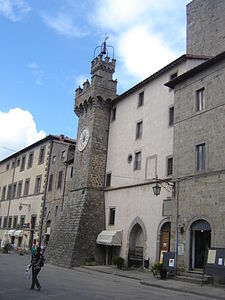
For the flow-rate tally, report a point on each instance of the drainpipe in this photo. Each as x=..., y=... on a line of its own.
x=13, y=176
x=45, y=192
x=177, y=215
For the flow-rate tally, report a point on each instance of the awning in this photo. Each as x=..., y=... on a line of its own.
x=110, y=238
x=11, y=232
x=18, y=233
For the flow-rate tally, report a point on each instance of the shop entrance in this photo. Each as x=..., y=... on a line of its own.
x=200, y=242
x=165, y=239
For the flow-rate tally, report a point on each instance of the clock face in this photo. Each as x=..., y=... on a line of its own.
x=83, y=139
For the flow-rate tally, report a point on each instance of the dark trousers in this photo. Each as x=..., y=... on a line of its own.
x=34, y=278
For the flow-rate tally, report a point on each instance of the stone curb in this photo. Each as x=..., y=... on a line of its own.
x=143, y=282
x=155, y=285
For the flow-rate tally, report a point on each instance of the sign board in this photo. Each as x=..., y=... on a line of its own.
x=168, y=261
x=215, y=264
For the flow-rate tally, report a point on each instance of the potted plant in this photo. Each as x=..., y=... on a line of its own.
x=158, y=270
x=6, y=248
x=118, y=261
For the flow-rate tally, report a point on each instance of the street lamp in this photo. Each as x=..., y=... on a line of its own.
x=156, y=189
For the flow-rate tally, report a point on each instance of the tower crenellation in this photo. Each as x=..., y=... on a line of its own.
x=102, y=83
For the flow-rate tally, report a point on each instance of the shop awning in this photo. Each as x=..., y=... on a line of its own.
x=11, y=232
x=110, y=238
x=18, y=233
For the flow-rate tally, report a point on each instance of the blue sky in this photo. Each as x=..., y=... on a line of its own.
x=47, y=47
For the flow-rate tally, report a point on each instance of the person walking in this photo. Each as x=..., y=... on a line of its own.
x=37, y=263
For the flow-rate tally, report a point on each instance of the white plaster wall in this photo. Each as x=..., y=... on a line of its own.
x=157, y=139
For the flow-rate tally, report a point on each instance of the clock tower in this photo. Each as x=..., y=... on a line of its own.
x=73, y=241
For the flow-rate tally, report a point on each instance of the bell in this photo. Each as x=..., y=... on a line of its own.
x=104, y=48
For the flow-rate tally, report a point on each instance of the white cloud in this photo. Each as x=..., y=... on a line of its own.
x=18, y=130
x=63, y=25
x=143, y=52
x=37, y=72
x=15, y=10
x=146, y=35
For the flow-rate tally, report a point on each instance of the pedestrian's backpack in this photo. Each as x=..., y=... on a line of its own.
x=42, y=261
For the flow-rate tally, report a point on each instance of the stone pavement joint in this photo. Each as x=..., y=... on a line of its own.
x=146, y=278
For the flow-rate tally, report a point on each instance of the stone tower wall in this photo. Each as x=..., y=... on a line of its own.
x=206, y=27
x=74, y=239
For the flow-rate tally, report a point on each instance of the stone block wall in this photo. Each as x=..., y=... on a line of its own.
x=206, y=27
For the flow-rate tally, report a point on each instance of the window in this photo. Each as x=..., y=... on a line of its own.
x=200, y=157
x=14, y=191
x=171, y=116
x=41, y=155
x=173, y=76
x=22, y=166
x=108, y=179
x=53, y=159
x=63, y=155
x=10, y=222
x=30, y=160
x=13, y=164
x=26, y=187
x=169, y=166
x=112, y=213
x=59, y=185
x=15, y=219
x=5, y=222
x=37, y=189
x=56, y=210
x=200, y=99
x=71, y=172
x=137, y=161
x=22, y=221
x=7, y=167
x=139, y=129
x=113, y=114
x=3, y=192
x=18, y=162
x=9, y=193
x=50, y=182
x=0, y=222
x=19, y=189
x=33, y=222
x=141, y=99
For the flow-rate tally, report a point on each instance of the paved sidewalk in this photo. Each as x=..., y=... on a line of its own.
x=146, y=278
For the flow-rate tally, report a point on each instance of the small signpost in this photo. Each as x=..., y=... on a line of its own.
x=215, y=263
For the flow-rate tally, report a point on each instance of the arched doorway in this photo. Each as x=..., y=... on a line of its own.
x=164, y=239
x=136, y=246
x=200, y=241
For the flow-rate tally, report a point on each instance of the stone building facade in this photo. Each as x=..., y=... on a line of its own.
x=205, y=27
x=23, y=178
x=199, y=165
x=199, y=205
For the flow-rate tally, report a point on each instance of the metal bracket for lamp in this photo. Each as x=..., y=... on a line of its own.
x=24, y=204
x=158, y=185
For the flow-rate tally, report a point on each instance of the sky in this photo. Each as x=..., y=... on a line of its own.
x=46, y=51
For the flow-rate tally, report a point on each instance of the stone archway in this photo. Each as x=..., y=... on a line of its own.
x=136, y=246
x=200, y=240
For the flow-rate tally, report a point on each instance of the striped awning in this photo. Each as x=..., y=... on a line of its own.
x=110, y=237
x=11, y=232
x=18, y=233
